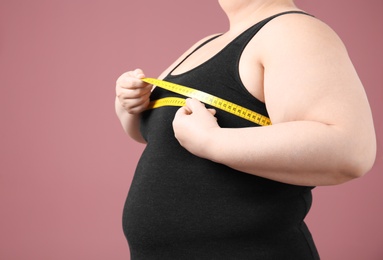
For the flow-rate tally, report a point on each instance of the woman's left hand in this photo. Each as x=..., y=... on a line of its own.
x=194, y=125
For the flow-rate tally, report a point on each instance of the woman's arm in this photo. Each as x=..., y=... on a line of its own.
x=132, y=96
x=129, y=122
x=322, y=132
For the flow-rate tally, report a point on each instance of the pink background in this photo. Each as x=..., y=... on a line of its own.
x=65, y=163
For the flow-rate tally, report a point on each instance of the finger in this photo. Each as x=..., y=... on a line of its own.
x=188, y=110
x=137, y=108
x=139, y=73
x=135, y=94
x=134, y=78
x=194, y=104
x=212, y=111
x=182, y=111
x=130, y=80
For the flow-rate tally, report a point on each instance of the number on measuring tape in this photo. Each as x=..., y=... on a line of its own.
x=205, y=98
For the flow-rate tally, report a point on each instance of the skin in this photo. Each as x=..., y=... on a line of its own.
x=300, y=68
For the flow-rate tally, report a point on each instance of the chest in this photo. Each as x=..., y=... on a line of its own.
x=248, y=65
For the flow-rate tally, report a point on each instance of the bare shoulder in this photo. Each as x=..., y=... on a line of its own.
x=307, y=70
x=302, y=33
x=183, y=56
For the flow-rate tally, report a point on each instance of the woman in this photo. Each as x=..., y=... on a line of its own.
x=211, y=185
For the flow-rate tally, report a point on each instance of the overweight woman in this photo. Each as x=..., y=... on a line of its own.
x=213, y=185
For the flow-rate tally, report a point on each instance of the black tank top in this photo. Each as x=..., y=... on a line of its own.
x=184, y=207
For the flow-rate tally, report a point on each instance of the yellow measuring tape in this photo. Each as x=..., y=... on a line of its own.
x=205, y=98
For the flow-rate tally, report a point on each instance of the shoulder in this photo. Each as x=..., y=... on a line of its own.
x=299, y=34
x=297, y=24
x=308, y=73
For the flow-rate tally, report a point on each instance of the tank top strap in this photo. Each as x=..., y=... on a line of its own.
x=198, y=47
x=283, y=13
x=235, y=48
x=248, y=34
x=258, y=26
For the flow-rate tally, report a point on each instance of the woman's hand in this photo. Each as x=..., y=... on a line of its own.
x=132, y=93
x=193, y=125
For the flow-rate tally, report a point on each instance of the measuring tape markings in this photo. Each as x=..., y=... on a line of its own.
x=205, y=98
x=169, y=101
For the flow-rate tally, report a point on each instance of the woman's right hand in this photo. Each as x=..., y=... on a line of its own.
x=132, y=93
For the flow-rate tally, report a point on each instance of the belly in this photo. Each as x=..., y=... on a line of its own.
x=177, y=197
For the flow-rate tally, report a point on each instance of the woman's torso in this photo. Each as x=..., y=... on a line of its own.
x=183, y=207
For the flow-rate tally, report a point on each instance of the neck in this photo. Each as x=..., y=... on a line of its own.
x=243, y=13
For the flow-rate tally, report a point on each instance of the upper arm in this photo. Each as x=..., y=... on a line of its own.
x=308, y=74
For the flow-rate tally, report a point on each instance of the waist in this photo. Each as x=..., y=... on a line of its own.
x=180, y=196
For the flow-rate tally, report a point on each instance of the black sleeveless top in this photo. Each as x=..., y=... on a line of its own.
x=183, y=207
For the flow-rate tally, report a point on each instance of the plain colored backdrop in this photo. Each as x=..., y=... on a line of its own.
x=65, y=163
